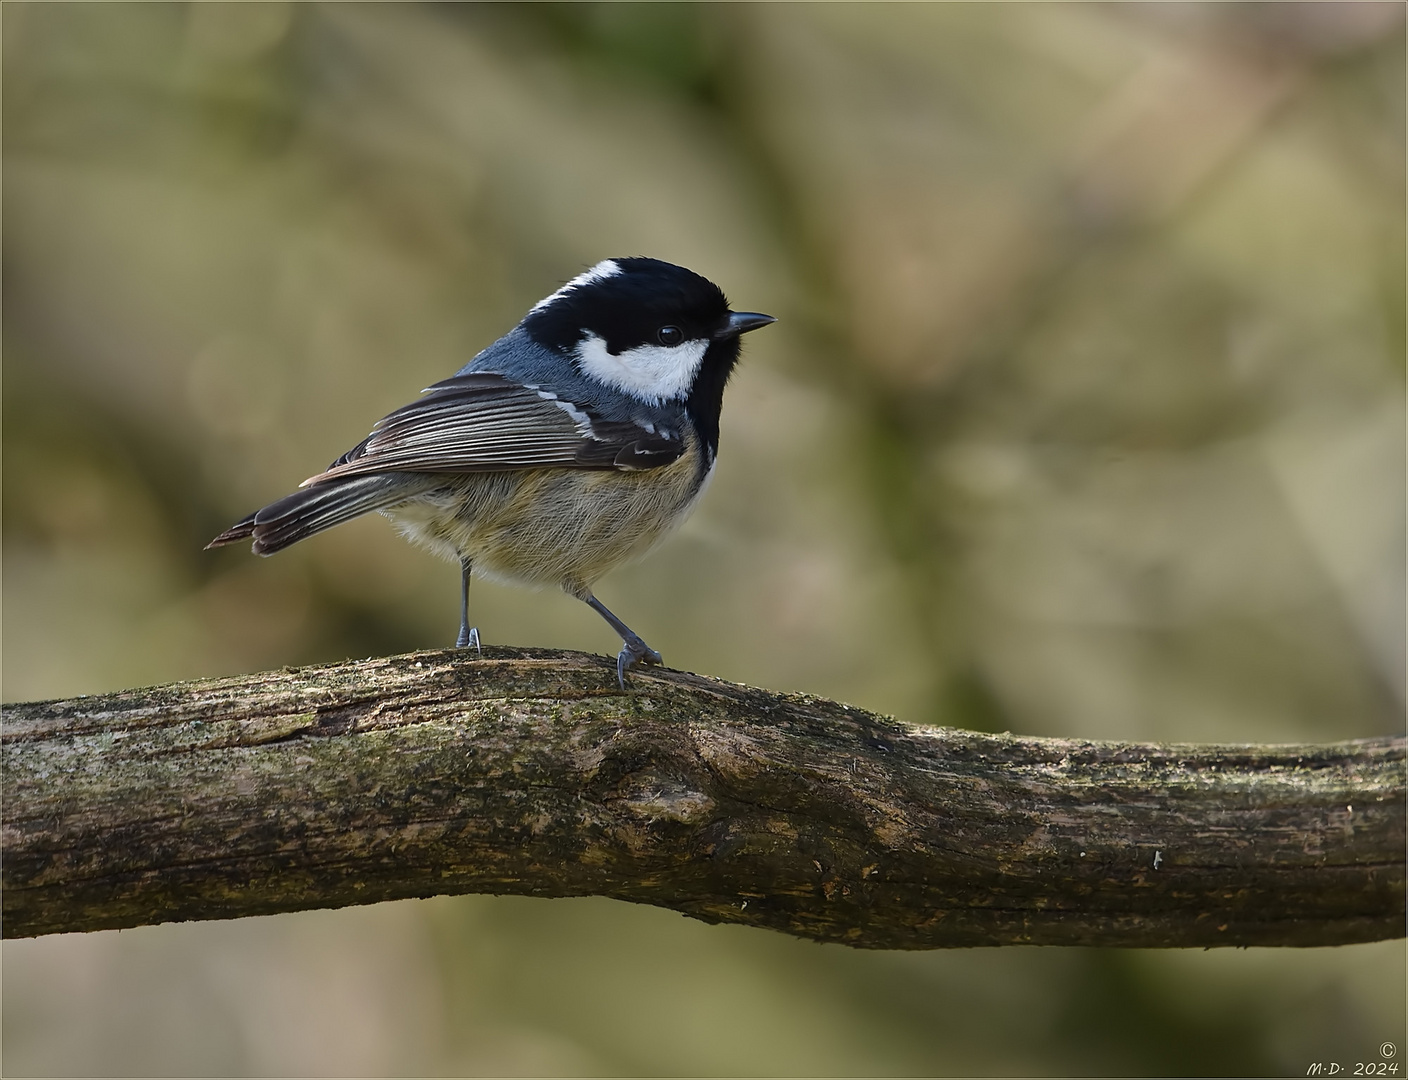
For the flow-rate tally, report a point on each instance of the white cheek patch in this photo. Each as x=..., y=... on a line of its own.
x=652, y=373
x=604, y=269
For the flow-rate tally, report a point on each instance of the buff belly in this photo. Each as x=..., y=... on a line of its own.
x=563, y=527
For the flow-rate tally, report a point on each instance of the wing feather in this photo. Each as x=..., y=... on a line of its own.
x=488, y=422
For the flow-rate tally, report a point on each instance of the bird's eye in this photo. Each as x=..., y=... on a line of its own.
x=670, y=335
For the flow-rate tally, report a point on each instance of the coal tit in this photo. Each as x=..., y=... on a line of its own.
x=573, y=443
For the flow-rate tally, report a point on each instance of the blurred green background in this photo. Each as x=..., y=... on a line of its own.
x=1084, y=417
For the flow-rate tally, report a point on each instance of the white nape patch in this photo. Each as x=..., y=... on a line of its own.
x=651, y=373
x=604, y=269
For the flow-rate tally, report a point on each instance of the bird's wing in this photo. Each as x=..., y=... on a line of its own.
x=484, y=422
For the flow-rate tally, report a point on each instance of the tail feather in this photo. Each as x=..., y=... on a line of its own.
x=240, y=530
x=311, y=510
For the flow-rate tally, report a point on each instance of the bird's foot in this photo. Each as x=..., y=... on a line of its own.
x=633, y=652
x=469, y=638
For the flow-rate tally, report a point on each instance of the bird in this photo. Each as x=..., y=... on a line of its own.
x=572, y=444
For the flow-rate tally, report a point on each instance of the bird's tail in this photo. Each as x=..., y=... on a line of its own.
x=313, y=509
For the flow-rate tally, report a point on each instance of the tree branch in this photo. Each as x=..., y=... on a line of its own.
x=530, y=772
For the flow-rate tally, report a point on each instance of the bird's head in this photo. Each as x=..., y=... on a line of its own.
x=646, y=328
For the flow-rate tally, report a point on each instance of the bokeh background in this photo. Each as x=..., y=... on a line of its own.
x=1084, y=417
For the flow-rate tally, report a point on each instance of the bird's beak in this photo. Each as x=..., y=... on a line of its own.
x=740, y=322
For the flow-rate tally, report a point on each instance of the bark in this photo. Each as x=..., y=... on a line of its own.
x=530, y=772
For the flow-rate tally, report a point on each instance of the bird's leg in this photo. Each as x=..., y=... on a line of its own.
x=634, y=651
x=469, y=635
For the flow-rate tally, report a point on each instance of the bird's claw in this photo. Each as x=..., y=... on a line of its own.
x=633, y=652
x=469, y=639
